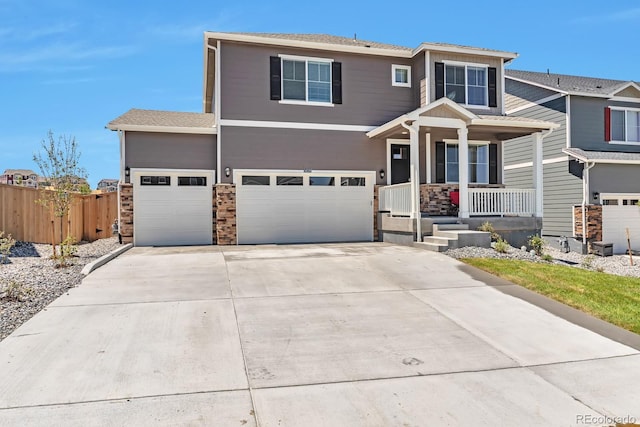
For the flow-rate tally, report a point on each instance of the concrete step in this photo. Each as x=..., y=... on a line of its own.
x=464, y=238
x=450, y=242
x=434, y=247
x=446, y=227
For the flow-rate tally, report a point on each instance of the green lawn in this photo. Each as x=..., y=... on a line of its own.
x=615, y=299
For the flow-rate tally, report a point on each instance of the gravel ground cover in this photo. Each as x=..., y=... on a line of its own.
x=31, y=268
x=616, y=264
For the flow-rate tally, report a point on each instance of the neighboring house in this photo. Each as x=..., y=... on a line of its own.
x=108, y=185
x=20, y=177
x=591, y=163
x=303, y=135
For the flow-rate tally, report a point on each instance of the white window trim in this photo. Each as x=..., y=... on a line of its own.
x=466, y=84
x=306, y=60
x=395, y=67
x=625, y=142
x=470, y=143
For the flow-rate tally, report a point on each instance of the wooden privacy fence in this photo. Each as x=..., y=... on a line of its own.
x=90, y=217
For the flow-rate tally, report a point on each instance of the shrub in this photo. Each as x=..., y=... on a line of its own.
x=501, y=246
x=68, y=249
x=488, y=227
x=537, y=243
x=547, y=257
x=6, y=243
x=587, y=262
x=14, y=291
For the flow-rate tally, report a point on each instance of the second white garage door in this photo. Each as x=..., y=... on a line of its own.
x=304, y=207
x=619, y=213
x=172, y=207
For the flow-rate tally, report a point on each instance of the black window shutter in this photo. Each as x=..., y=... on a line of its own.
x=493, y=163
x=276, y=81
x=336, y=82
x=493, y=87
x=439, y=80
x=440, y=162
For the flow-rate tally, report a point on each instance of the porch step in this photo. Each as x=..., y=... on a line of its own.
x=434, y=247
x=449, y=226
x=451, y=242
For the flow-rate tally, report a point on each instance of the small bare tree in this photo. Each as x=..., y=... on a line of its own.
x=59, y=163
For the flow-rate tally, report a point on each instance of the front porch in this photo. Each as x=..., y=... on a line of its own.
x=444, y=160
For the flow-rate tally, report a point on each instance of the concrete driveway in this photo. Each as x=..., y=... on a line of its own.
x=311, y=335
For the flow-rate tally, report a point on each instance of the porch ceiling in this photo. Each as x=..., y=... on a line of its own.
x=446, y=115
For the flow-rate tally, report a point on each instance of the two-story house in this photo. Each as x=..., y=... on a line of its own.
x=302, y=136
x=20, y=177
x=108, y=185
x=591, y=163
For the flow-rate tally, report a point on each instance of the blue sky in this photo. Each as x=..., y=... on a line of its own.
x=72, y=66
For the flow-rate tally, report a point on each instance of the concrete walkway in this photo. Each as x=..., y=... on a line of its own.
x=311, y=335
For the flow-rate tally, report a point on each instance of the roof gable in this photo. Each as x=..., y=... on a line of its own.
x=631, y=90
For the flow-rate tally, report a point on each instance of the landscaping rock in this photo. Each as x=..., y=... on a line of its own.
x=39, y=281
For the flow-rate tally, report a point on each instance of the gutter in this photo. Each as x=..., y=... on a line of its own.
x=585, y=196
x=216, y=104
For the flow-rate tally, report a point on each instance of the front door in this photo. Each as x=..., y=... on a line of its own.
x=400, y=163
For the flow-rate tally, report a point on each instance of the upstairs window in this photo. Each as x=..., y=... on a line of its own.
x=472, y=85
x=466, y=84
x=622, y=125
x=401, y=75
x=304, y=80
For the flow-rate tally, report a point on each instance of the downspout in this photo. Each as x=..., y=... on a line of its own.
x=415, y=181
x=216, y=108
x=585, y=196
x=122, y=166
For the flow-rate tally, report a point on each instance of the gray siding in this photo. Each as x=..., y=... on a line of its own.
x=518, y=94
x=418, y=73
x=297, y=149
x=561, y=189
x=614, y=179
x=367, y=93
x=170, y=150
x=587, y=124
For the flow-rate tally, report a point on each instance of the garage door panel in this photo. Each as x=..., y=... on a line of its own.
x=307, y=213
x=616, y=219
x=172, y=214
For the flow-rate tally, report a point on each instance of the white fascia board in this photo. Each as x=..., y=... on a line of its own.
x=387, y=126
x=515, y=123
x=163, y=129
x=534, y=103
x=295, y=125
x=555, y=89
x=465, y=50
x=309, y=45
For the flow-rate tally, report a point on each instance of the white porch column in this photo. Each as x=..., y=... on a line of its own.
x=414, y=140
x=463, y=172
x=427, y=165
x=538, y=172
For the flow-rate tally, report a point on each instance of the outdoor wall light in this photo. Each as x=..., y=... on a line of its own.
x=596, y=195
x=381, y=173
x=227, y=171
x=127, y=173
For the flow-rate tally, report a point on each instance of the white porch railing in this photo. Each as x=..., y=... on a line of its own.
x=396, y=199
x=502, y=201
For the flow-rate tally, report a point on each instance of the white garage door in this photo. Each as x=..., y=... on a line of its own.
x=304, y=207
x=619, y=212
x=172, y=207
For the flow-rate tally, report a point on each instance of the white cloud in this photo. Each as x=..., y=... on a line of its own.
x=59, y=54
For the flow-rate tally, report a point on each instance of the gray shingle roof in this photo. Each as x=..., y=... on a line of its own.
x=158, y=118
x=328, y=39
x=569, y=83
x=602, y=156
